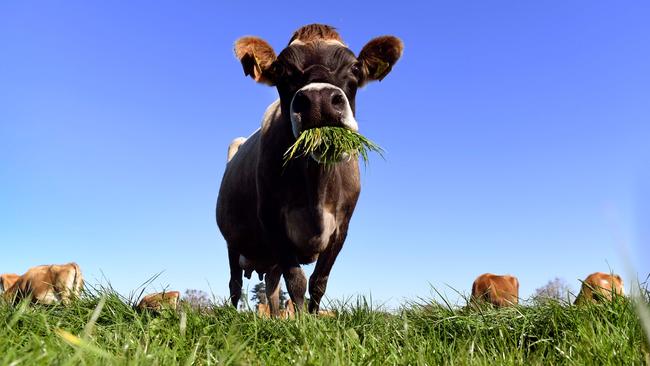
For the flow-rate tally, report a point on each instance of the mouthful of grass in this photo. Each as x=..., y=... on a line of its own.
x=331, y=145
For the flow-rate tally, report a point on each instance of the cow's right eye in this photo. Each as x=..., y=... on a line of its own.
x=277, y=70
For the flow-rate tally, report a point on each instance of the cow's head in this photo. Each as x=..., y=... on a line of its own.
x=316, y=75
x=7, y=280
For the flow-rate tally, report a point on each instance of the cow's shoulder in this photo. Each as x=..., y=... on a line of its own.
x=272, y=116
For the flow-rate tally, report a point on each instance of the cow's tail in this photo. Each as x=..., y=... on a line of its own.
x=77, y=282
x=515, y=299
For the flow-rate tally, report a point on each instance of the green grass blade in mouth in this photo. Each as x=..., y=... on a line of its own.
x=331, y=144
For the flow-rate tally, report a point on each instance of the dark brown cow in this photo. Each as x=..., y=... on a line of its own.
x=600, y=286
x=496, y=290
x=275, y=218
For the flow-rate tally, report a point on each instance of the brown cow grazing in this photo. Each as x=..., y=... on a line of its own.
x=600, y=286
x=158, y=301
x=7, y=280
x=497, y=290
x=288, y=312
x=264, y=311
x=275, y=218
x=48, y=284
x=327, y=313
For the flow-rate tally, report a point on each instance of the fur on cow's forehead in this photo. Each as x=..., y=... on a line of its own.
x=302, y=56
x=315, y=32
x=316, y=44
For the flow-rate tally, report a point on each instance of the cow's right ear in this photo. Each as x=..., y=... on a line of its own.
x=256, y=57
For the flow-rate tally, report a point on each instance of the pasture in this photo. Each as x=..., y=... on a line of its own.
x=101, y=328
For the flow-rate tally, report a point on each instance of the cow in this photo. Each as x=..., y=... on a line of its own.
x=327, y=313
x=264, y=310
x=498, y=290
x=276, y=217
x=158, y=301
x=48, y=284
x=600, y=286
x=289, y=312
x=7, y=280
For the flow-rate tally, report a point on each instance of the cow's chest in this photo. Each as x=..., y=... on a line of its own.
x=310, y=230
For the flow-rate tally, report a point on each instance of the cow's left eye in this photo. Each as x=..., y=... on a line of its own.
x=356, y=70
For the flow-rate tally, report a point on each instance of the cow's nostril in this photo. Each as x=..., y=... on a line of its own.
x=300, y=103
x=338, y=100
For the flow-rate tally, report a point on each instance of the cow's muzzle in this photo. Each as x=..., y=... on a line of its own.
x=319, y=105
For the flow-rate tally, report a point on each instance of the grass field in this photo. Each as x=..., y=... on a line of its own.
x=100, y=328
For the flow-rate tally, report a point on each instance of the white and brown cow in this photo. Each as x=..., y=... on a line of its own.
x=600, y=286
x=498, y=290
x=275, y=218
x=48, y=284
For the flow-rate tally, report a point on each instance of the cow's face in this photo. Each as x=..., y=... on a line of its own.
x=316, y=75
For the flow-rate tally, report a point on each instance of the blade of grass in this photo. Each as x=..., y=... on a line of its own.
x=331, y=145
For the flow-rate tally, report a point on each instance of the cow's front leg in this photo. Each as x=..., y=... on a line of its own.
x=318, y=279
x=294, y=276
x=272, y=285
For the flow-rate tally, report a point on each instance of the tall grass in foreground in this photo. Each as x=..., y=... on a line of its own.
x=100, y=328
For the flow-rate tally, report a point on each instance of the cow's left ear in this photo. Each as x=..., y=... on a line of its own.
x=256, y=57
x=378, y=57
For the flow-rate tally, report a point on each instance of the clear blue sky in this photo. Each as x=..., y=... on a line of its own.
x=517, y=138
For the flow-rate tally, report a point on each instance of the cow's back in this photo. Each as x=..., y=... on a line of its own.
x=158, y=301
x=48, y=284
x=36, y=283
x=600, y=286
x=499, y=290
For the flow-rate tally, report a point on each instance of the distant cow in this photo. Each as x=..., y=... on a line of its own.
x=275, y=217
x=600, y=286
x=159, y=301
x=48, y=284
x=264, y=311
x=496, y=290
x=289, y=311
x=7, y=280
x=327, y=313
